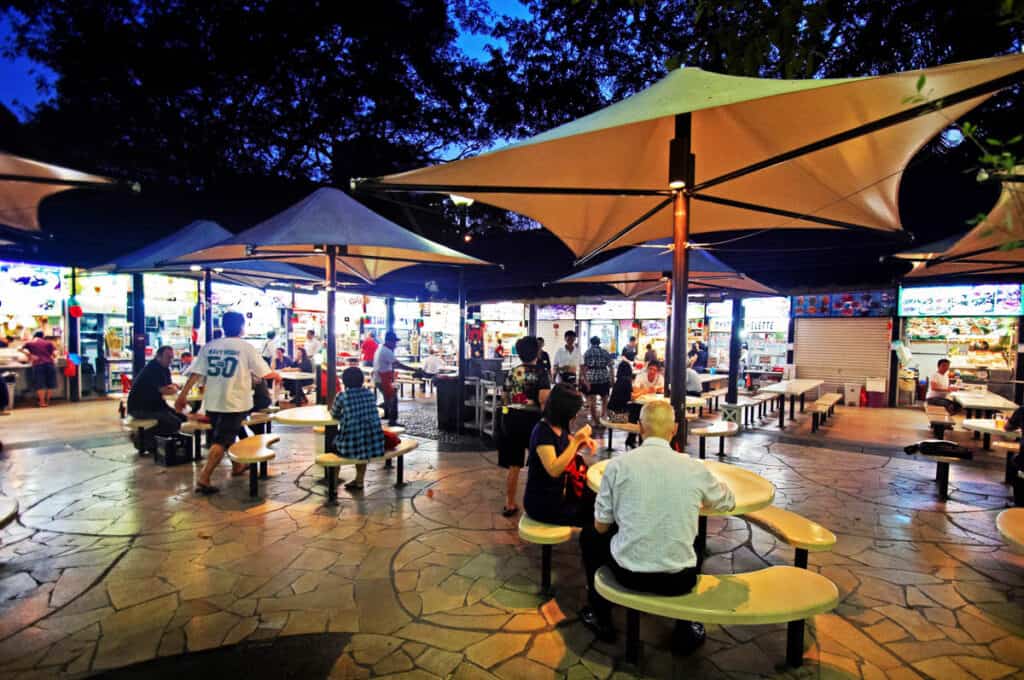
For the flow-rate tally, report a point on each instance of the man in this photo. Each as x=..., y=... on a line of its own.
x=313, y=347
x=645, y=522
x=433, y=364
x=185, y=361
x=269, y=346
x=597, y=378
x=698, y=357
x=228, y=365
x=369, y=348
x=42, y=354
x=384, y=365
x=939, y=388
x=694, y=387
x=527, y=386
x=146, y=398
x=568, y=360
x=650, y=355
x=651, y=381
x=543, y=358
x=630, y=350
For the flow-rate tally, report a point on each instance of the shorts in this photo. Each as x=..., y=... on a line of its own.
x=44, y=376
x=225, y=427
x=601, y=389
x=514, y=437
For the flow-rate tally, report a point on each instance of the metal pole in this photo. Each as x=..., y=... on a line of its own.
x=138, y=325
x=461, y=350
x=894, y=363
x=531, y=324
x=208, y=304
x=389, y=315
x=74, y=385
x=735, y=349
x=332, y=341
x=291, y=327
x=680, y=147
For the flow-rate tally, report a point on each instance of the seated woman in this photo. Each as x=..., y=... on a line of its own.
x=304, y=364
x=360, y=435
x=553, y=495
x=622, y=393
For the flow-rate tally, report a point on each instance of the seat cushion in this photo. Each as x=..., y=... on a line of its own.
x=796, y=530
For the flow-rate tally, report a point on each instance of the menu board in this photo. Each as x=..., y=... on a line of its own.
x=609, y=309
x=766, y=308
x=985, y=300
x=27, y=290
x=651, y=309
x=718, y=310
x=854, y=304
x=502, y=311
x=556, y=312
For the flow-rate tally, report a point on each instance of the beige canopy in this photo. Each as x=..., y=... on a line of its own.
x=24, y=183
x=988, y=248
x=590, y=179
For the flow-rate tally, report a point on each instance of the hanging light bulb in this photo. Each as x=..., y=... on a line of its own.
x=468, y=237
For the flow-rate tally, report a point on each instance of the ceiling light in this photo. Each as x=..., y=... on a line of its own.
x=461, y=201
x=195, y=268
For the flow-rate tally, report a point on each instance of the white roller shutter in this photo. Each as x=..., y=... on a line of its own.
x=840, y=351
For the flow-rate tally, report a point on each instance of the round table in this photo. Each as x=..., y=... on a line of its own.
x=987, y=427
x=296, y=375
x=691, y=401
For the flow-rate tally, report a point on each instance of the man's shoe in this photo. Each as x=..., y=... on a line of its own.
x=603, y=630
x=687, y=637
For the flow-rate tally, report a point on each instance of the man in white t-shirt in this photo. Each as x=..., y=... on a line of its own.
x=384, y=365
x=313, y=347
x=567, y=360
x=433, y=364
x=650, y=381
x=228, y=366
x=939, y=388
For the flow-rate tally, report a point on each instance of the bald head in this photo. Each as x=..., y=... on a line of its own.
x=657, y=420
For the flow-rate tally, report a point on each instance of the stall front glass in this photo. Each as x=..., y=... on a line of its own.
x=105, y=337
x=552, y=323
x=652, y=316
x=611, y=321
x=262, y=310
x=440, y=329
x=765, y=329
x=719, y=333
x=31, y=300
x=505, y=321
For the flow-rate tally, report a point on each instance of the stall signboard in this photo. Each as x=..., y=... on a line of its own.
x=718, y=310
x=313, y=302
x=103, y=293
x=609, y=309
x=651, y=309
x=852, y=304
x=556, y=312
x=694, y=310
x=982, y=300
x=766, y=308
x=653, y=328
x=502, y=311
x=28, y=290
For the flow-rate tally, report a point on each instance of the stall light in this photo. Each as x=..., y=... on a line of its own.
x=467, y=238
x=195, y=268
x=219, y=270
x=318, y=249
x=461, y=201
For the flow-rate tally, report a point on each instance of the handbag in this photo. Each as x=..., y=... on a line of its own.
x=575, y=477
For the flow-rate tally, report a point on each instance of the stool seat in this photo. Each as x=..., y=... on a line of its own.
x=532, y=531
x=140, y=423
x=721, y=428
x=329, y=460
x=193, y=426
x=255, y=449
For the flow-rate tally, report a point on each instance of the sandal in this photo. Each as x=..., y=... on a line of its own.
x=206, y=489
x=509, y=512
x=354, y=486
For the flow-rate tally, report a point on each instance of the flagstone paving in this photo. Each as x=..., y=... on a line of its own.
x=115, y=561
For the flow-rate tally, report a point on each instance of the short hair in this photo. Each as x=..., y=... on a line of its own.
x=217, y=334
x=232, y=323
x=163, y=348
x=540, y=340
x=310, y=333
x=655, y=364
x=658, y=419
x=305, y=354
x=595, y=341
x=389, y=336
x=527, y=348
x=649, y=346
x=942, y=361
x=38, y=334
x=271, y=334
x=184, y=354
x=562, y=405
x=632, y=338
x=279, y=349
x=352, y=378
x=569, y=334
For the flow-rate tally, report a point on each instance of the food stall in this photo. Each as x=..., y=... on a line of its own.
x=375, y=316
x=974, y=326
x=765, y=332
x=552, y=323
x=263, y=310
x=169, y=304
x=610, y=320
x=652, y=315
x=440, y=329
x=719, y=333
x=308, y=314
x=104, y=333
x=31, y=300
x=505, y=321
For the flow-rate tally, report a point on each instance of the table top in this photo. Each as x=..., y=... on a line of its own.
x=296, y=375
x=793, y=387
x=309, y=416
x=706, y=378
x=691, y=401
x=1010, y=524
x=982, y=399
x=988, y=426
x=751, y=490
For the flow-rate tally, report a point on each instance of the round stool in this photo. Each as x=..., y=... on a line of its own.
x=720, y=429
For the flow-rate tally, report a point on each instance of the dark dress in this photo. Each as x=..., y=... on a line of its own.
x=545, y=498
x=522, y=384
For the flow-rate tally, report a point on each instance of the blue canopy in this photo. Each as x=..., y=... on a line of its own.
x=369, y=245
x=202, y=234
x=640, y=269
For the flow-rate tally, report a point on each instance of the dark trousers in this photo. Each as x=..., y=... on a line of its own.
x=948, y=404
x=597, y=552
x=391, y=406
x=634, y=417
x=167, y=422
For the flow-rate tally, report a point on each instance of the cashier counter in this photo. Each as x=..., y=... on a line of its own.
x=14, y=361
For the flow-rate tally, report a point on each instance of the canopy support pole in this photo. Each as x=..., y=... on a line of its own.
x=461, y=354
x=680, y=161
x=138, y=325
x=332, y=340
x=735, y=350
x=208, y=304
x=74, y=384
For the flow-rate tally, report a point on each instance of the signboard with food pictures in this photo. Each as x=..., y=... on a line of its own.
x=651, y=309
x=982, y=332
x=853, y=304
x=502, y=311
x=556, y=312
x=610, y=309
x=984, y=300
x=27, y=290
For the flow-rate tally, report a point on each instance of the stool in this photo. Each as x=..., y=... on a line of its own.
x=331, y=463
x=544, y=535
x=196, y=428
x=720, y=429
x=255, y=453
x=140, y=425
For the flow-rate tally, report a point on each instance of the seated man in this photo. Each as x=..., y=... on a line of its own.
x=147, y=397
x=650, y=381
x=645, y=523
x=694, y=387
x=433, y=364
x=939, y=388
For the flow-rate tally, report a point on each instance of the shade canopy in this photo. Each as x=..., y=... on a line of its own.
x=201, y=234
x=769, y=153
x=24, y=183
x=638, y=270
x=991, y=247
x=369, y=245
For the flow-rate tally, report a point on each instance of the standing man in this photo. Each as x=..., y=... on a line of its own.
x=543, y=358
x=568, y=360
x=42, y=353
x=228, y=364
x=384, y=365
x=369, y=348
x=146, y=398
x=597, y=378
x=269, y=346
x=313, y=347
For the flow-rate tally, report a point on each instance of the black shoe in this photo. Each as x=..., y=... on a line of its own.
x=603, y=630
x=687, y=637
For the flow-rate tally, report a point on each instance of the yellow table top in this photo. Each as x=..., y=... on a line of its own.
x=751, y=490
x=309, y=416
x=1011, y=527
x=988, y=426
x=296, y=375
x=691, y=401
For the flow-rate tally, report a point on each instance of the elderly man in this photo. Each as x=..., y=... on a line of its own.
x=645, y=523
x=147, y=398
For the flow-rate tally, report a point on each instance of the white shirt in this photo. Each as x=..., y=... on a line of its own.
x=268, y=347
x=640, y=381
x=383, y=362
x=941, y=381
x=693, y=381
x=229, y=365
x=566, y=360
x=313, y=350
x=654, y=494
x=433, y=364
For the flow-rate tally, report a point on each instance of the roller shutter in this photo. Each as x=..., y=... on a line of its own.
x=840, y=351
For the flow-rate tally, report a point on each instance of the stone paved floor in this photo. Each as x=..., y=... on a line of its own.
x=115, y=561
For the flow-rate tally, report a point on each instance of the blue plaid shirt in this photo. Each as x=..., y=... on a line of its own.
x=359, y=431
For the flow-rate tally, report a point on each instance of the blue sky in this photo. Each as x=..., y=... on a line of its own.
x=18, y=76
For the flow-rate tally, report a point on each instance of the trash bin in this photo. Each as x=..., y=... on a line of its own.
x=851, y=394
x=450, y=404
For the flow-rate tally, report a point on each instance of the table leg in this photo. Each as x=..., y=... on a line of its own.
x=1010, y=470
x=942, y=477
x=782, y=411
x=986, y=442
x=701, y=447
x=330, y=434
x=802, y=396
x=792, y=407
x=702, y=536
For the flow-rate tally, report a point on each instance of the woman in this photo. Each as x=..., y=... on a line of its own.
x=553, y=494
x=304, y=364
x=525, y=392
x=360, y=435
x=622, y=393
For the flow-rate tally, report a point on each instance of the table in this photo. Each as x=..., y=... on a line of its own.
x=987, y=427
x=296, y=375
x=751, y=490
x=792, y=388
x=691, y=402
x=707, y=378
x=982, y=400
x=313, y=416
